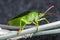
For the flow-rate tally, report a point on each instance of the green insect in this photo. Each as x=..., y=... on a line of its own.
x=31, y=17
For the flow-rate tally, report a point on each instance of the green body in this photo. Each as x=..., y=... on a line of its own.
x=22, y=21
x=31, y=17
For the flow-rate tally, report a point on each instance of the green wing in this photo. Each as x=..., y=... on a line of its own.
x=27, y=19
x=14, y=22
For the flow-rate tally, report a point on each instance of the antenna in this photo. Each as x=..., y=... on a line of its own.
x=49, y=8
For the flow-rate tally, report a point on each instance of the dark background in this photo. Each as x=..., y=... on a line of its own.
x=11, y=8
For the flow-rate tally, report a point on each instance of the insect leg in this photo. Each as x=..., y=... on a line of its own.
x=23, y=26
x=36, y=24
x=20, y=29
x=47, y=20
x=44, y=19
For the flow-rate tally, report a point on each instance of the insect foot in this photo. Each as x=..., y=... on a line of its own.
x=19, y=32
x=38, y=29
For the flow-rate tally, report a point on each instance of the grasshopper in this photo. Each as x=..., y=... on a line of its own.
x=31, y=17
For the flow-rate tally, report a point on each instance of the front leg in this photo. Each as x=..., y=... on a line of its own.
x=36, y=24
x=43, y=19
